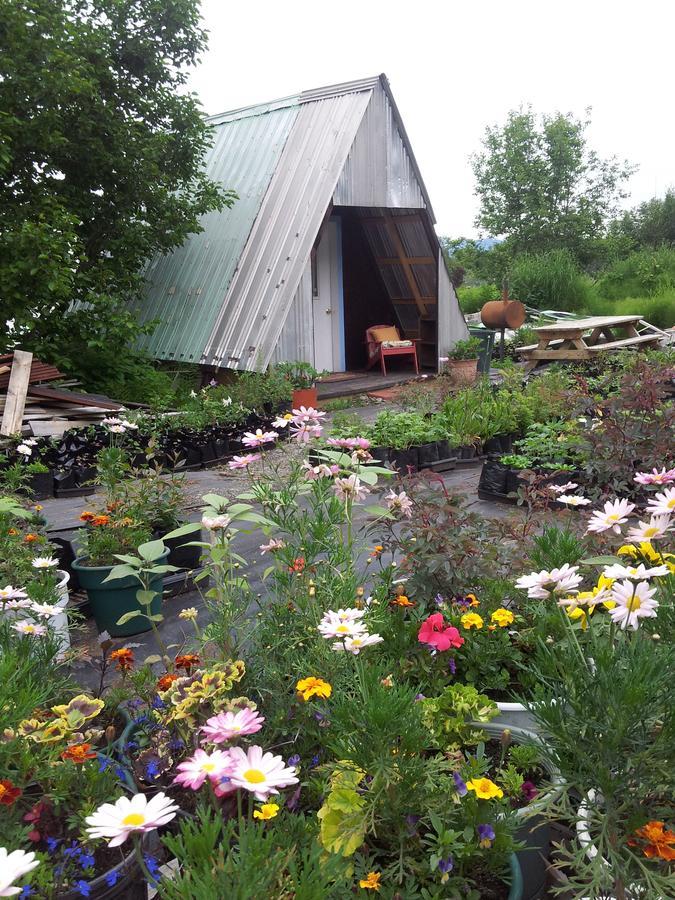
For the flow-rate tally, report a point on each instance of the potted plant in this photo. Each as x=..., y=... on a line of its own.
x=303, y=378
x=462, y=362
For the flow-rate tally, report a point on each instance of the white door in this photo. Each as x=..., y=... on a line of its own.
x=327, y=302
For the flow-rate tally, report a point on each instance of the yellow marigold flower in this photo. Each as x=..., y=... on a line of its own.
x=484, y=788
x=473, y=600
x=471, y=620
x=502, y=617
x=371, y=882
x=266, y=811
x=313, y=687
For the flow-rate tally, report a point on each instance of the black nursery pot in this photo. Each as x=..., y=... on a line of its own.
x=444, y=450
x=405, y=459
x=513, y=480
x=181, y=556
x=468, y=451
x=381, y=454
x=427, y=454
x=41, y=485
x=493, y=477
x=493, y=444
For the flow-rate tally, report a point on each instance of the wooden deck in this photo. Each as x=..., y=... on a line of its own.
x=363, y=383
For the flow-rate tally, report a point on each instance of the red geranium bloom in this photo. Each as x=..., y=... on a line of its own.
x=8, y=792
x=298, y=565
x=439, y=636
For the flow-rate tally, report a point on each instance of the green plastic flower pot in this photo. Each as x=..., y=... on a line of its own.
x=516, y=890
x=110, y=600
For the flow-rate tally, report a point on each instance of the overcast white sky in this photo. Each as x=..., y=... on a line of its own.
x=456, y=67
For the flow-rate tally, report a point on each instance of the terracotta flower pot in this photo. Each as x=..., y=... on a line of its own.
x=463, y=371
x=305, y=397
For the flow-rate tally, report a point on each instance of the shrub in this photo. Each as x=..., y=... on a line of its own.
x=471, y=299
x=550, y=280
x=647, y=272
x=658, y=310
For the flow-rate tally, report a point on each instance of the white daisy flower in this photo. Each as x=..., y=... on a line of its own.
x=46, y=610
x=30, y=628
x=633, y=602
x=613, y=515
x=649, y=531
x=340, y=628
x=540, y=585
x=128, y=815
x=24, y=450
x=44, y=562
x=638, y=573
x=572, y=500
x=563, y=488
x=13, y=866
x=258, y=772
x=663, y=503
x=11, y=593
x=357, y=642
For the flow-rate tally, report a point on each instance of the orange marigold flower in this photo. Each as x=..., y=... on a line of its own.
x=402, y=600
x=78, y=753
x=371, y=882
x=30, y=538
x=100, y=520
x=124, y=658
x=87, y=515
x=377, y=551
x=166, y=681
x=8, y=792
x=660, y=840
x=125, y=522
x=12, y=531
x=187, y=661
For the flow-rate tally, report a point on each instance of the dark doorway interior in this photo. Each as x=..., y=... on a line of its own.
x=366, y=301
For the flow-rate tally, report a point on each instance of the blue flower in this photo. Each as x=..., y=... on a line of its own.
x=87, y=860
x=104, y=762
x=83, y=888
x=176, y=744
x=52, y=844
x=158, y=703
x=131, y=745
x=141, y=719
x=460, y=784
x=151, y=770
x=486, y=835
x=112, y=877
x=120, y=773
x=314, y=761
x=26, y=891
x=135, y=703
x=73, y=851
x=294, y=760
x=152, y=866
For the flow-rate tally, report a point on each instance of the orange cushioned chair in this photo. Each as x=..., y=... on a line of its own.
x=385, y=340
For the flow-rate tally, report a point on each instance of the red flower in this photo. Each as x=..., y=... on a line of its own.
x=187, y=661
x=166, y=681
x=8, y=792
x=298, y=565
x=124, y=658
x=437, y=635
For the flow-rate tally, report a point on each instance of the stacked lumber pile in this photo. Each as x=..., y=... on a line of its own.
x=32, y=403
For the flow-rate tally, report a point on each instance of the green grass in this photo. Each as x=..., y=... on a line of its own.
x=659, y=310
x=472, y=297
x=339, y=403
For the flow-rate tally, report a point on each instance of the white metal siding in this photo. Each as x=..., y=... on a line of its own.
x=379, y=171
x=297, y=336
x=451, y=324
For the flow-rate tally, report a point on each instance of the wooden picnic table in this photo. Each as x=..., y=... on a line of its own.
x=568, y=339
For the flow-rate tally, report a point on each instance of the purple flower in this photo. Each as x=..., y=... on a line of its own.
x=314, y=761
x=445, y=867
x=294, y=800
x=419, y=697
x=460, y=784
x=486, y=835
x=294, y=760
x=452, y=665
x=112, y=877
x=83, y=888
x=411, y=821
x=135, y=703
x=176, y=744
x=528, y=790
x=438, y=600
x=158, y=703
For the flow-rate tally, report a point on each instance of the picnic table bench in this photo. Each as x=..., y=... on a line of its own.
x=569, y=340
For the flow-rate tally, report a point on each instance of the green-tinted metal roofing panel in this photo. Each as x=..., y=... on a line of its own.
x=186, y=288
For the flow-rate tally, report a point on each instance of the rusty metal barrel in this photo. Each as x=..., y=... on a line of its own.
x=503, y=313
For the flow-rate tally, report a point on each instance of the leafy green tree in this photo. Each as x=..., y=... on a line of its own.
x=651, y=224
x=101, y=155
x=541, y=186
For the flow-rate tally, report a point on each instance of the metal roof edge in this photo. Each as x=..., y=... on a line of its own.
x=386, y=87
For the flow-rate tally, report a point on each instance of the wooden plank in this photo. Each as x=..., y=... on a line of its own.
x=413, y=260
x=405, y=265
x=627, y=342
x=561, y=354
x=586, y=324
x=17, y=389
x=71, y=397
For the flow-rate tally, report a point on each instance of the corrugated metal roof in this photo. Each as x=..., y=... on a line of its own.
x=249, y=323
x=222, y=297
x=186, y=288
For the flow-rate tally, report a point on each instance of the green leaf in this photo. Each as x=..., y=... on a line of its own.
x=120, y=572
x=381, y=512
x=268, y=571
x=157, y=617
x=151, y=660
x=145, y=598
x=600, y=561
x=151, y=550
x=127, y=617
x=215, y=500
x=130, y=560
x=188, y=528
